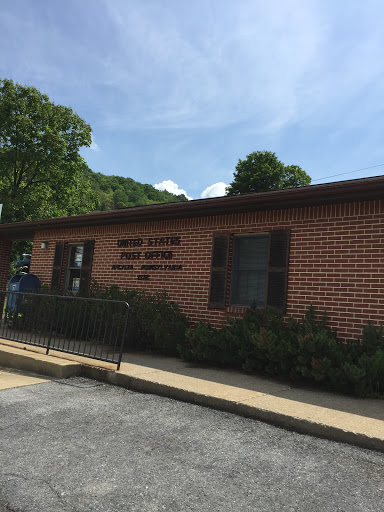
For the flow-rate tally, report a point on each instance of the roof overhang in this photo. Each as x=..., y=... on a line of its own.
x=312, y=195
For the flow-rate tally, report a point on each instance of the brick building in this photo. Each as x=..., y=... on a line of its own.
x=320, y=245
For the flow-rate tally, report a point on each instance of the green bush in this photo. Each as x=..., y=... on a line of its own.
x=262, y=341
x=155, y=323
x=261, y=349
x=372, y=338
x=206, y=344
x=306, y=350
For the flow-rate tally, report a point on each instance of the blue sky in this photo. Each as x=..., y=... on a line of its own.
x=177, y=91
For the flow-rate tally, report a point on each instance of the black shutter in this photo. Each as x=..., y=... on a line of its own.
x=57, y=265
x=86, y=266
x=278, y=269
x=218, y=285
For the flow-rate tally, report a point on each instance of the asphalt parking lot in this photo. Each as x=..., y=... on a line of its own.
x=79, y=445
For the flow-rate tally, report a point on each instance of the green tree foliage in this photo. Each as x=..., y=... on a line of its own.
x=42, y=174
x=261, y=171
x=41, y=171
x=118, y=192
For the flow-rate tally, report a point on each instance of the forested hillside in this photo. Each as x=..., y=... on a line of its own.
x=118, y=192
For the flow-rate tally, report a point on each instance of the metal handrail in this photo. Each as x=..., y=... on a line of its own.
x=94, y=328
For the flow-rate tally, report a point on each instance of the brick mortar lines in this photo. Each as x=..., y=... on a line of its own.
x=332, y=244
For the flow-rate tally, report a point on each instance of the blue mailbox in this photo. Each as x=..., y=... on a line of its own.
x=21, y=283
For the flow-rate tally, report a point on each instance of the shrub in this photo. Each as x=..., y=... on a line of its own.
x=308, y=350
x=206, y=344
x=265, y=346
x=155, y=322
x=372, y=338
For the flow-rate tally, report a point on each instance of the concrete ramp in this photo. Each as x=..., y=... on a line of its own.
x=22, y=359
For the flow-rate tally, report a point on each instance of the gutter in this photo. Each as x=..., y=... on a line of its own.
x=313, y=195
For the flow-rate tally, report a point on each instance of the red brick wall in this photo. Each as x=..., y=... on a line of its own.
x=335, y=259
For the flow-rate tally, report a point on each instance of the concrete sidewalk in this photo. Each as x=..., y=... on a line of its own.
x=337, y=417
x=11, y=378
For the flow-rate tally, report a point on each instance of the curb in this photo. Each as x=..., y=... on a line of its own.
x=303, y=426
x=21, y=359
x=51, y=366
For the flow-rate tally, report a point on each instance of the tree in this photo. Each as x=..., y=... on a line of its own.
x=261, y=171
x=41, y=172
x=118, y=192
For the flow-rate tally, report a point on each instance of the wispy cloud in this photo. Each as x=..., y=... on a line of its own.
x=94, y=146
x=234, y=69
x=171, y=187
x=202, y=65
x=304, y=79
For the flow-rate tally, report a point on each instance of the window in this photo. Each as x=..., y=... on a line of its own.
x=73, y=273
x=259, y=270
x=72, y=266
x=249, y=270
